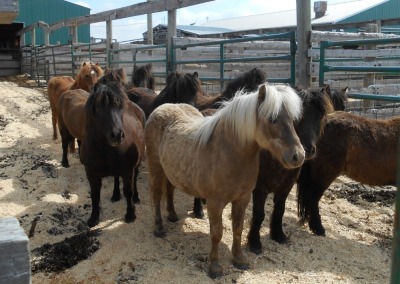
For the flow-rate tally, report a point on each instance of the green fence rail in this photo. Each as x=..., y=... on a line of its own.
x=290, y=36
x=324, y=67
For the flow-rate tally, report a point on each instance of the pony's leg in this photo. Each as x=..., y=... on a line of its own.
x=54, y=117
x=72, y=145
x=238, y=212
x=156, y=179
x=314, y=221
x=95, y=187
x=65, y=137
x=172, y=216
x=116, y=196
x=128, y=192
x=198, y=208
x=253, y=238
x=79, y=146
x=276, y=232
x=214, y=210
x=135, y=197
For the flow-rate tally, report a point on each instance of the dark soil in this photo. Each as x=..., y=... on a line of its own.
x=355, y=193
x=66, y=253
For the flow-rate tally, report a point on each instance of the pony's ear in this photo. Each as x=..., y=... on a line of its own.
x=345, y=90
x=149, y=66
x=97, y=63
x=84, y=63
x=261, y=93
x=195, y=74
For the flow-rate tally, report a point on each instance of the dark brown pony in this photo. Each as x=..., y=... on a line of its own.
x=180, y=88
x=71, y=114
x=247, y=81
x=361, y=148
x=143, y=77
x=274, y=178
x=113, y=144
x=88, y=75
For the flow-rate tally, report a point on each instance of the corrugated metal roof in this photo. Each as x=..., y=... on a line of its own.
x=203, y=30
x=335, y=13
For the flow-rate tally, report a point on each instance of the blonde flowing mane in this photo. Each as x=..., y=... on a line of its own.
x=239, y=113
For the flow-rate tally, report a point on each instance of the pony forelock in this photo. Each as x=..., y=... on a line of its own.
x=239, y=113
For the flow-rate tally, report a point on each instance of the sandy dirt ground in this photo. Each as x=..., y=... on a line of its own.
x=52, y=204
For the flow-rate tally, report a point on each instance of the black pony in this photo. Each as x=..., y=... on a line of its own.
x=273, y=177
x=113, y=144
x=247, y=81
x=180, y=88
x=143, y=77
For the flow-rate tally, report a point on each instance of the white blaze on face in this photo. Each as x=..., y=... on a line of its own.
x=92, y=72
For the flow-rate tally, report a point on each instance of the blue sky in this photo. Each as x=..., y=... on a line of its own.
x=133, y=27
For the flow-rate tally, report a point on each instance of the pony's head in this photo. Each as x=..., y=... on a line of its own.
x=265, y=117
x=105, y=108
x=113, y=76
x=88, y=75
x=316, y=105
x=143, y=77
x=187, y=87
x=338, y=97
x=248, y=82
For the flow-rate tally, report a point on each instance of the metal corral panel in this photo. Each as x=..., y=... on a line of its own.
x=51, y=11
x=8, y=11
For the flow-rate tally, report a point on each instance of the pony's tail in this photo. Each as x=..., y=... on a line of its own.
x=303, y=193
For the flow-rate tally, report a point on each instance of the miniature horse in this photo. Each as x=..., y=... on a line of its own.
x=248, y=81
x=71, y=119
x=71, y=114
x=218, y=156
x=363, y=149
x=274, y=177
x=179, y=89
x=143, y=77
x=113, y=144
x=88, y=75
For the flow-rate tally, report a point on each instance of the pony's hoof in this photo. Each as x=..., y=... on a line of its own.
x=256, y=249
x=136, y=200
x=241, y=263
x=130, y=218
x=159, y=233
x=318, y=230
x=65, y=164
x=92, y=222
x=199, y=215
x=215, y=271
x=173, y=217
x=115, y=198
x=281, y=239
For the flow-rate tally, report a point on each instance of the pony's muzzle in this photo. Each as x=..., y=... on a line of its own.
x=295, y=159
x=116, y=138
x=310, y=152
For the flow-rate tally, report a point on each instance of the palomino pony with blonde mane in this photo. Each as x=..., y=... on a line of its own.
x=88, y=75
x=216, y=157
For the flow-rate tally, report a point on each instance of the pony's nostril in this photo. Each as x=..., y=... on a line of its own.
x=295, y=158
x=313, y=150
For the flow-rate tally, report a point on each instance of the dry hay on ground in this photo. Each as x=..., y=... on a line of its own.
x=53, y=203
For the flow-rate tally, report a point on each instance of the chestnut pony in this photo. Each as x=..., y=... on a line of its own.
x=218, y=156
x=363, y=149
x=88, y=75
x=113, y=143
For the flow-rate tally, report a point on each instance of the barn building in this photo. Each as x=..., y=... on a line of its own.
x=17, y=14
x=160, y=32
x=346, y=16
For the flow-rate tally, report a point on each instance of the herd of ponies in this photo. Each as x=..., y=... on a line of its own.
x=252, y=139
